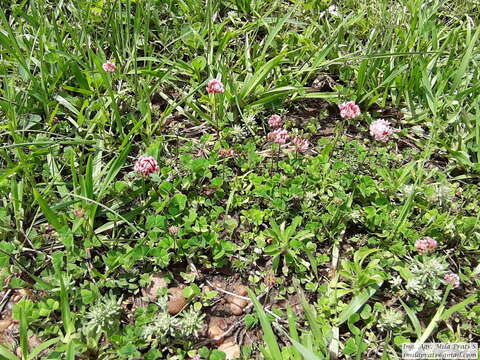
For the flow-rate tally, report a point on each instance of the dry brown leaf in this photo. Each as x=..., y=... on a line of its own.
x=5, y=324
x=20, y=294
x=230, y=348
x=217, y=326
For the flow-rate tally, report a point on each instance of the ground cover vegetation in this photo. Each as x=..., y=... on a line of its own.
x=187, y=179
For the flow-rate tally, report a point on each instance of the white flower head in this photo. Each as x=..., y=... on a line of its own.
x=333, y=10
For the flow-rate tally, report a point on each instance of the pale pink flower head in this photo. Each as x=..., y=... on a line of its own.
x=215, y=86
x=173, y=230
x=381, y=130
x=349, y=110
x=452, y=279
x=275, y=121
x=272, y=135
x=300, y=143
x=279, y=136
x=426, y=245
x=146, y=165
x=226, y=153
x=109, y=66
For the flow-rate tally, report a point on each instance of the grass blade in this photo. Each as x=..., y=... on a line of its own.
x=52, y=218
x=7, y=354
x=268, y=335
x=467, y=57
x=413, y=318
x=252, y=83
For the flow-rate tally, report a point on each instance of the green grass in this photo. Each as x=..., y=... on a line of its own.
x=339, y=221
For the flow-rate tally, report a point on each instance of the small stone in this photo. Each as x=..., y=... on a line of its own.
x=176, y=301
x=157, y=282
x=237, y=304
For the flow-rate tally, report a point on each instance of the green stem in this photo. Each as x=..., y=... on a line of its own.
x=278, y=155
x=271, y=158
x=116, y=110
x=223, y=172
x=210, y=30
x=176, y=146
x=214, y=114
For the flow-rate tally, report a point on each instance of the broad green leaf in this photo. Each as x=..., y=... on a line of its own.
x=458, y=307
x=357, y=302
x=45, y=345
